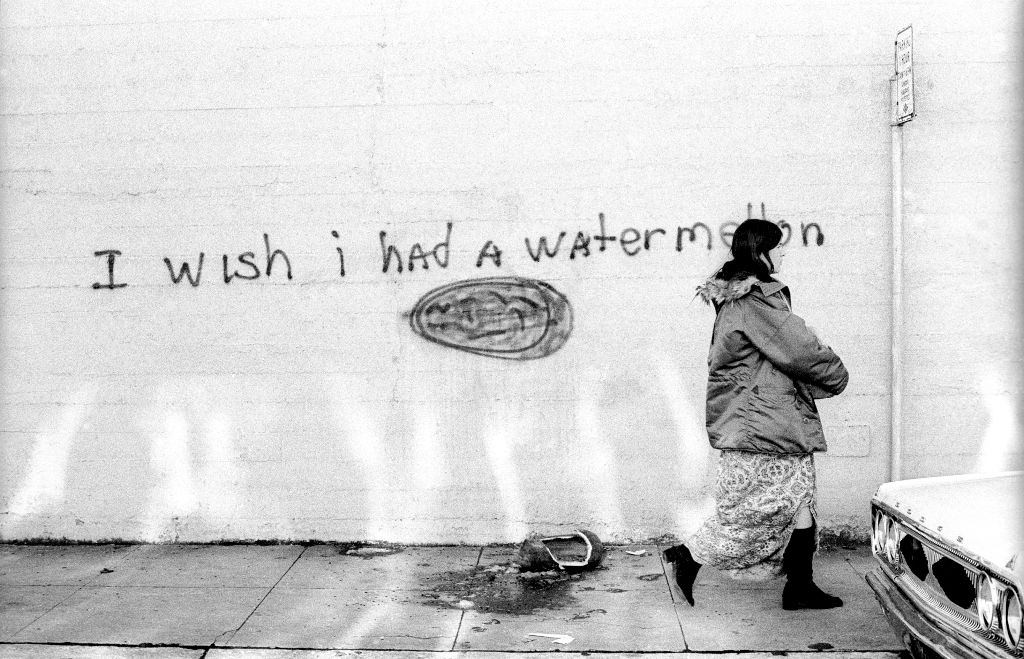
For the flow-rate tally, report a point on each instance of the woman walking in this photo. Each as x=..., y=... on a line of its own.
x=765, y=368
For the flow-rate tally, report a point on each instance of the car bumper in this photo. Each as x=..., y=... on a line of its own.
x=921, y=636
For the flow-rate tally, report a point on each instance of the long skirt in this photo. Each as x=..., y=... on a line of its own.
x=757, y=496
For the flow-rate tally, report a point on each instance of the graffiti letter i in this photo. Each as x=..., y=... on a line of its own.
x=341, y=256
x=111, y=254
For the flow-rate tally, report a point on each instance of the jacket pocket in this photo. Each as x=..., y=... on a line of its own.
x=726, y=399
x=722, y=391
x=780, y=392
x=774, y=424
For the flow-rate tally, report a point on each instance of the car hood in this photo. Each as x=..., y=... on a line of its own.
x=980, y=514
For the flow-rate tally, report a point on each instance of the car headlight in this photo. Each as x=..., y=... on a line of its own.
x=878, y=533
x=1011, y=617
x=892, y=541
x=986, y=601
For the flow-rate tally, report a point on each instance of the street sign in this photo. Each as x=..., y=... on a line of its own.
x=904, y=110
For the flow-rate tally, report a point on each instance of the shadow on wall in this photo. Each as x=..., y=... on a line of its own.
x=43, y=485
x=195, y=486
x=196, y=476
x=1000, y=445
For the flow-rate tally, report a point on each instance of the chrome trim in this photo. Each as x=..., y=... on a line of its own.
x=998, y=572
x=921, y=594
x=945, y=618
x=906, y=619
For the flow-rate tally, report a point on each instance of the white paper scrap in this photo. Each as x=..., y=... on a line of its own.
x=561, y=639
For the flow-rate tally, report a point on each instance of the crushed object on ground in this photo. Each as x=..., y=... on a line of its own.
x=580, y=550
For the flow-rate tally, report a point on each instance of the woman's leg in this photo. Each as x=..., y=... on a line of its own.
x=800, y=591
x=803, y=519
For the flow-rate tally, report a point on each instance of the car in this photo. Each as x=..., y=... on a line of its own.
x=950, y=562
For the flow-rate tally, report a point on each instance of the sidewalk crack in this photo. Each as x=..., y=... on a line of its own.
x=231, y=634
x=672, y=596
x=462, y=616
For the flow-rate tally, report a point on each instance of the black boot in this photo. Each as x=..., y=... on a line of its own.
x=683, y=569
x=800, y=591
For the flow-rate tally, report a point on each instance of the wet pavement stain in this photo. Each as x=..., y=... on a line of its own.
x=585, y=616
x=500, y=589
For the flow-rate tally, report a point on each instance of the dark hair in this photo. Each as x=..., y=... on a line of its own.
x=751, y=240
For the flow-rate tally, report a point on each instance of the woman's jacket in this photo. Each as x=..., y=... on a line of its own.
x=765, y=368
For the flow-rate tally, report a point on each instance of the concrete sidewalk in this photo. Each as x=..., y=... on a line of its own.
x=220, y=601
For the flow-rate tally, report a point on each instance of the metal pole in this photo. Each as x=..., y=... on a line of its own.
x=896, y=345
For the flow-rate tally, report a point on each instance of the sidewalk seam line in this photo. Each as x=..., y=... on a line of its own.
x=672, y=598
x=462, y=615
x=817, y=653
x=64, y=601
x=260, y=603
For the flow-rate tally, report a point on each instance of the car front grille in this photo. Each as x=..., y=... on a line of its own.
x=946, y=580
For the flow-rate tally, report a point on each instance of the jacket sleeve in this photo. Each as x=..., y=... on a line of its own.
x=783, y=338
x=817, y=392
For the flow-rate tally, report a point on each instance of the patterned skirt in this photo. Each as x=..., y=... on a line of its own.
x=757, y=496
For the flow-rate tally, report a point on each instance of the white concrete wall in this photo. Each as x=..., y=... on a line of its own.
x=308, y=409
x=963, y=247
